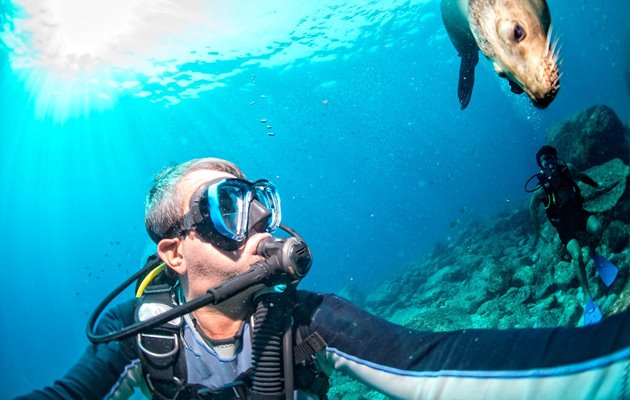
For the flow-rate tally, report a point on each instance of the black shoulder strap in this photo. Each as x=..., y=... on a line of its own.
x=160, y=348
x=305, y=349
x=308, y=376
x=568, y=180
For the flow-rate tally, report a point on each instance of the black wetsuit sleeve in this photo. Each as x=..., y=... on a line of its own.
x=589, y=181
x=475, y=363
x=100, y=367
x=581, y=176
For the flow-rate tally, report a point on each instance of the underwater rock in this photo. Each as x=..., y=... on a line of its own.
x=471, y=300
x=571, y=313
x=545, y=289
x=353, y=294
x=446, y=319
x=524, y=276
x=591, y=137
x=564, y=276
x=494, y=281
x=515, y=297
x=455, y=274
x=548, y=303
x=384, y=295
x=488, y=315
x=612, y=177
x=616, y=236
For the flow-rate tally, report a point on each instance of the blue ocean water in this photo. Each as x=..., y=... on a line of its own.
x=350, y=108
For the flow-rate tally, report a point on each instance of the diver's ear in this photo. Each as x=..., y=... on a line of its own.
x=170, y=252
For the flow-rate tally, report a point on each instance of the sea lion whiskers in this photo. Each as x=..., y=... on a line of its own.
x=555, y=48
x=556, y=82
x=553, y=59
x=549, y=34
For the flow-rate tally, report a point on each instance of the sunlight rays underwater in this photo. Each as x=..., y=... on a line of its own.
x=77, y=56
x=369, y=146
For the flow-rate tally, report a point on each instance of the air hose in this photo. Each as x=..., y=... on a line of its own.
x=272, y=321
x=287, y=260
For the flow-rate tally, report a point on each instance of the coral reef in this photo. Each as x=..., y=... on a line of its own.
x=496, y=274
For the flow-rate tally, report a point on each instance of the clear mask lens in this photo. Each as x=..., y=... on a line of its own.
x=548, y=163
x=229, y=204
x=233, y=202
x=267, y=195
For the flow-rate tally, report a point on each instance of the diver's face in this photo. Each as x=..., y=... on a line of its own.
x=207, y=265
x=548, y=163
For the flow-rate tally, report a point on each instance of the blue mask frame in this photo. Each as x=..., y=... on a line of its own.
x=226, y=211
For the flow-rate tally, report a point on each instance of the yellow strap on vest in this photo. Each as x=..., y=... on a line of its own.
x=551, y=198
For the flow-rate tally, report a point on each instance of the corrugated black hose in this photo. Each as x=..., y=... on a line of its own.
x=271, y=320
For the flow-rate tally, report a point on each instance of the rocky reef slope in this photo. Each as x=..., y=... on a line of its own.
x=496, y=274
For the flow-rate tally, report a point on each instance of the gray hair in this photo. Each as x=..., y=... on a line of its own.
x=163, y=205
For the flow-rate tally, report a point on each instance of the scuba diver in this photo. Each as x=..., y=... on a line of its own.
x=217, y=315
x=558, y=192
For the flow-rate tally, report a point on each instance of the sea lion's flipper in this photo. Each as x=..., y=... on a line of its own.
x=515, y=88
x=466, y=78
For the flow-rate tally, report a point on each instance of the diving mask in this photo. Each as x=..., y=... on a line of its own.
x=226, y=211
x=548, y=163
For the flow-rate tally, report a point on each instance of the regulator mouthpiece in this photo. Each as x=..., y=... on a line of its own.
x=292, y=254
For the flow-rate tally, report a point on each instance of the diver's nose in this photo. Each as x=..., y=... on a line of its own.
x=259, y=217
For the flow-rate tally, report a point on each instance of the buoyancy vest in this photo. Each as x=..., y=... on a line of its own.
x=178, y=364
x=561, y=191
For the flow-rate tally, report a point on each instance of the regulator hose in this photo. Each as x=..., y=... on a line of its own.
x=272, y=321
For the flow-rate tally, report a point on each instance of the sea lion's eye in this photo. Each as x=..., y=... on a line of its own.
x=519, y=33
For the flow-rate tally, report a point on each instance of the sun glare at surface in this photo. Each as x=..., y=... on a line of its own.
x=77, y=56
x=87, y=29
x=77, y=35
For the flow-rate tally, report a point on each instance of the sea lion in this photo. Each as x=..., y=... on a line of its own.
x=514, y=35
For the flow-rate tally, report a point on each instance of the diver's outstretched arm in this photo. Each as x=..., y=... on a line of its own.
x=582, y=177
x=534, y=364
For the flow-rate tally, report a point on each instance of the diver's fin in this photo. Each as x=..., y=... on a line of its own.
x=592, y=313
x=606, y=270
x=466, y=78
